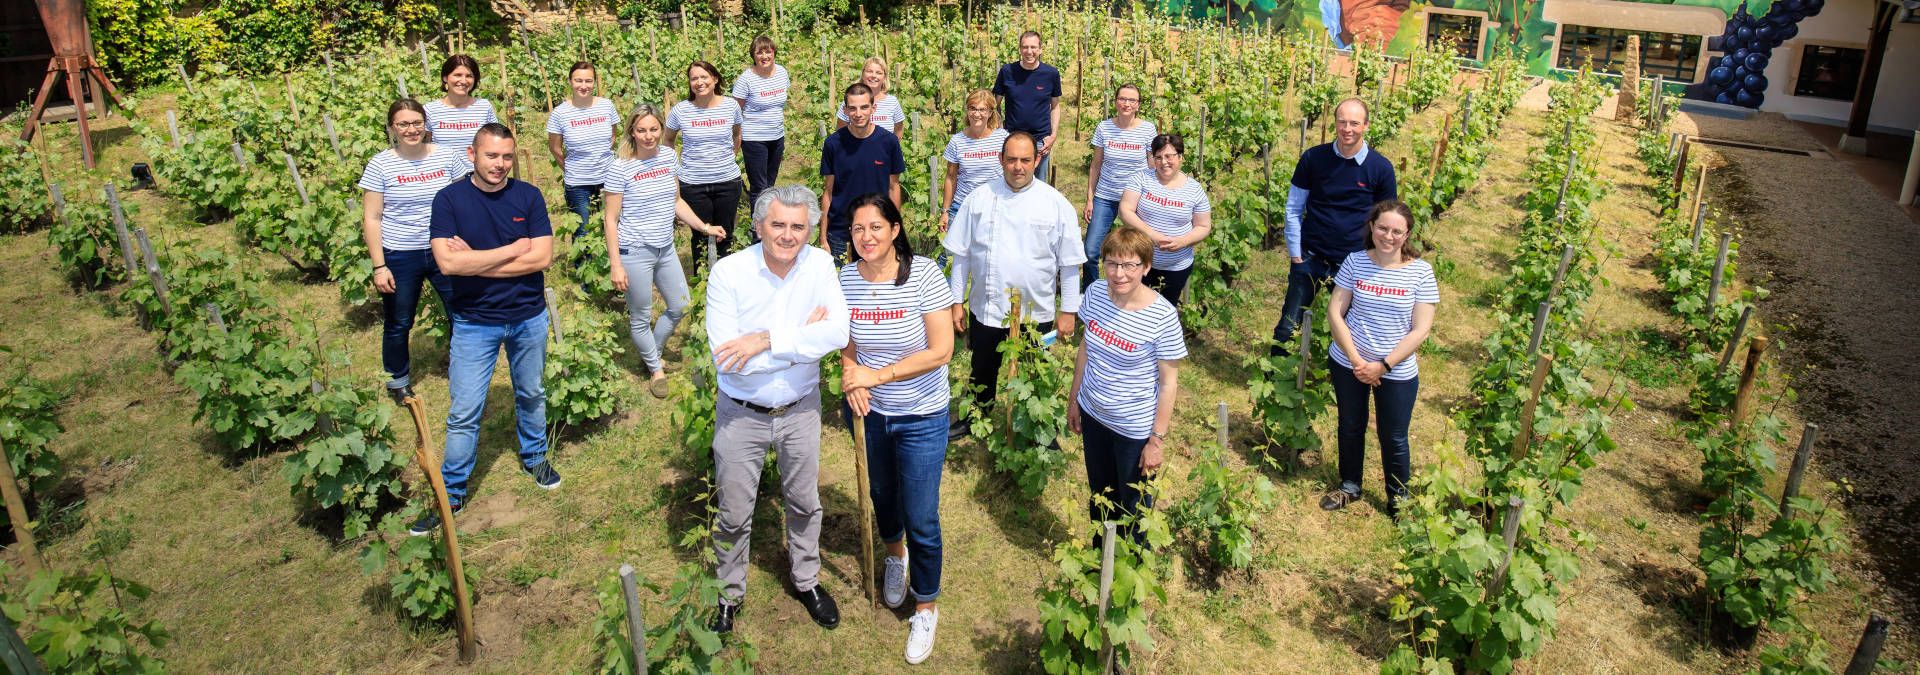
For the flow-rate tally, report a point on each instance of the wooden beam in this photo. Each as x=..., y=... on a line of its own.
x=1855, y=139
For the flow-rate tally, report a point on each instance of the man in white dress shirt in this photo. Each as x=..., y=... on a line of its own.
x=1015, y=233
x=773, y=310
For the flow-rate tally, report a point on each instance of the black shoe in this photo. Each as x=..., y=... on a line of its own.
x=960, y=428
x=820, y=606
x=1337, y=499
x=431, y=521
x=400, y=394
x=723, y=618
x=544, y=475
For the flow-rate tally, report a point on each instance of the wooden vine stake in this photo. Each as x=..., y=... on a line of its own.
x=1017, y=332
x=173, y=128
x=154, y=274
x=293, y=103
x=17, y=515
x=934, y=205
x=1305, y=348
x=866, y=507
x=1541, y=368
x=1439, y=150
x=1509, y=535
x=1699, y=224
x=1739, y=328
x=1680, y=165
x=1808, y=435
x=636, y=623
x=1700, y=188
x=1106, y=594
x=1743, y=396
x=1866, y=655
x=1539, y=327
x=1719, y=272
x=120, y=228
x=553, y=315
x=299, y=184
x=469, y=644
x=333, y=136
x=1220, y=418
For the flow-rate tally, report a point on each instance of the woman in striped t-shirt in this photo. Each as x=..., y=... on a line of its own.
x=1385, y=297
x=399, y=185
x=887, y=113
x=894, y=372
x=457, y=116
x=1119, y=155
x=1172, y=209
x=762, y=93
x=580, y=133
x=708, y=125
x=643, y=199
x=973, y=154
x=1125, y=378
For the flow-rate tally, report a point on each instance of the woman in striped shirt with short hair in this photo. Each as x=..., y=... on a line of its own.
x=895, y=376
x=1125, y=378
x=455, y=118
x=972, y=154
x=580, y=134
x=397, y=206
x=761, y=91
x=643, y=199
x=708, y=127
x=1119, y=155
x=887, y=113
x=1385, y=297
x=1172, y=209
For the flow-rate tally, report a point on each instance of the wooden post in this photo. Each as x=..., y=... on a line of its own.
x=426, y=69
x=299, y=184
x=636, y=624
x=1539, y=328
x=463, y=611
x=1541, y=368
x=1220, y=415
x=1079, y=88
x=333, y=136
x=59, y=202
x=1719, y=272
x=173, y=128
x=402, y=82
x=1739, y=328
x=120, y=227
x=934, y=183
x=1305, y=349
x=154, y=274
x=220, y=322
x=1560, y=273
x=1699, y=224
x=1510, y=535
x=1680, y=165
x=17, y=515
x=328, y=60
x=866, y=506
x=240, y=156
x=182, y=69
x=293, y=103
x=1808, y=435
x=1439, y=150
x=1566, y=180
x=1106, y=594
x=1867, y=654
x=553, y=315
x=1700, y=188
x=1743, y=396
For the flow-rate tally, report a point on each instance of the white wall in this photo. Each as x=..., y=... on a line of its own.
x=1845, y=23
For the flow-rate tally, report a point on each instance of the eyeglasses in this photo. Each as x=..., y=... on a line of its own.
x=1126, y=100
x=409, y=125
x=1129, y=266
x=979, y=110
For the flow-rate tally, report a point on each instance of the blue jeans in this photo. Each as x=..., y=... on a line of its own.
x=1113, y=468
x=1393, y=408
x=1043, y=170
x=649, y=268
x=579, y=197
x=470, y=362
x=1304, y=280
x=397, y=309
x=905, y=457
x=839, y=239
x=1104, y=211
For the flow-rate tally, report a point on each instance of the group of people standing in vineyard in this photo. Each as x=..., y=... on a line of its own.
x=442, y=209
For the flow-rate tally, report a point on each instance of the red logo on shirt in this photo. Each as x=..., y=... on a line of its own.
x=591, y=120
x=774, y=92
x=879, y=163
x=1163, y=201
x=716, y=122
x=1111, y=338
x=458, y=125
x=418, y=178
x=1116, y=145
x=982, y=154
x=1377, y=289
x=519, y=219
x=877, y=315
x=1360, y=183
x=656, y=173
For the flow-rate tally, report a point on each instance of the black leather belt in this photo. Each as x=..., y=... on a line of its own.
x=775, y=411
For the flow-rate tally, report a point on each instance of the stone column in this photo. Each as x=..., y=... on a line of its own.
x=1629, y=84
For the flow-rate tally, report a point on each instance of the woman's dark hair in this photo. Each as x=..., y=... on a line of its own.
x=902, y=250
x=715, y=72
x=460, y=61
x=1164, y=140
x=409, y=104
x=1408, y=250
x=579, y=66
x=760, y=42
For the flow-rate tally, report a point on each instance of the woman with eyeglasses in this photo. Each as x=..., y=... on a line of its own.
x=454, y=118
x=1385, y=297
x=1172, y=209
x=1125, y=378
x=708, y=126
x=761, y=91
x=1119, y=154
x=397, y=205
x=580, y=134
x=972, y=154
x=887, y=113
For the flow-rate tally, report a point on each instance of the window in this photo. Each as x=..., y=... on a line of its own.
x=1829, y=72
x=1463, y=30
x=1673, y=55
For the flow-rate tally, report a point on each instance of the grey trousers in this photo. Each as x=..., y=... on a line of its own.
x=649, y=268
x=740, y=442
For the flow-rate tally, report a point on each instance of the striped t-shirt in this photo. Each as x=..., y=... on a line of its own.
x=1169, y=211
x=766, y=99
x=1121, y=384
x=886, y=112
x=978, y=159
x=453, y=128
x=1125, y=155
x=588, y=135
x=648, y=191
x=706, y=140
x=887, y=323
x=1382, y=311
x=406, y=190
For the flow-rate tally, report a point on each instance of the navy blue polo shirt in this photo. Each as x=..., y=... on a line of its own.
x=1029, y=96
x=1340, y=191
x=859, y=166
x=490, y=220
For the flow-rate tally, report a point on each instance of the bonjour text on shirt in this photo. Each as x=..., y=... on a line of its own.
x=1123, y=155
x=1027, y=240
x=978, y=159
x=1121, y=384
x=587, y=134
x=406, y=190
x=648, y=191
x=706, y=140
x=1382, y=310
x=1169, y=211
x=453, y=128
x=744, y=296
x=888, y=323
x=764, y=117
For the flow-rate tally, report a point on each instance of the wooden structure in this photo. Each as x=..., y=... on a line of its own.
x=66, y=22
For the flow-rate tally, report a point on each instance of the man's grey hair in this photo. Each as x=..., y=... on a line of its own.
x=787, y=195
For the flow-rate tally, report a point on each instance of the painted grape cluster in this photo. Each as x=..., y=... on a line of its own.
x=1739, y=76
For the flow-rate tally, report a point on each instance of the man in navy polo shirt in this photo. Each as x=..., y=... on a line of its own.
x=1334, y=186
x=491, y=238
x=1030, y=93
x=859, y=159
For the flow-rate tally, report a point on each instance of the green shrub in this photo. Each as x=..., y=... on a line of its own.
x=419, y=582
x=140, y=42
x=75, y=623
x=28, y=423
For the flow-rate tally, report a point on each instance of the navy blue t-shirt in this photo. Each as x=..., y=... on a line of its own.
x=1029, y=96
x=490, y=220
x=859, y=166
x=1340, y=191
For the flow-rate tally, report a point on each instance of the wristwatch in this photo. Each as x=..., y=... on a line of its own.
x=1160, y=436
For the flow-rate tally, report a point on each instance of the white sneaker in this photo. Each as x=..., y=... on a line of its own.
x=920, y=634
x=894, y=584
